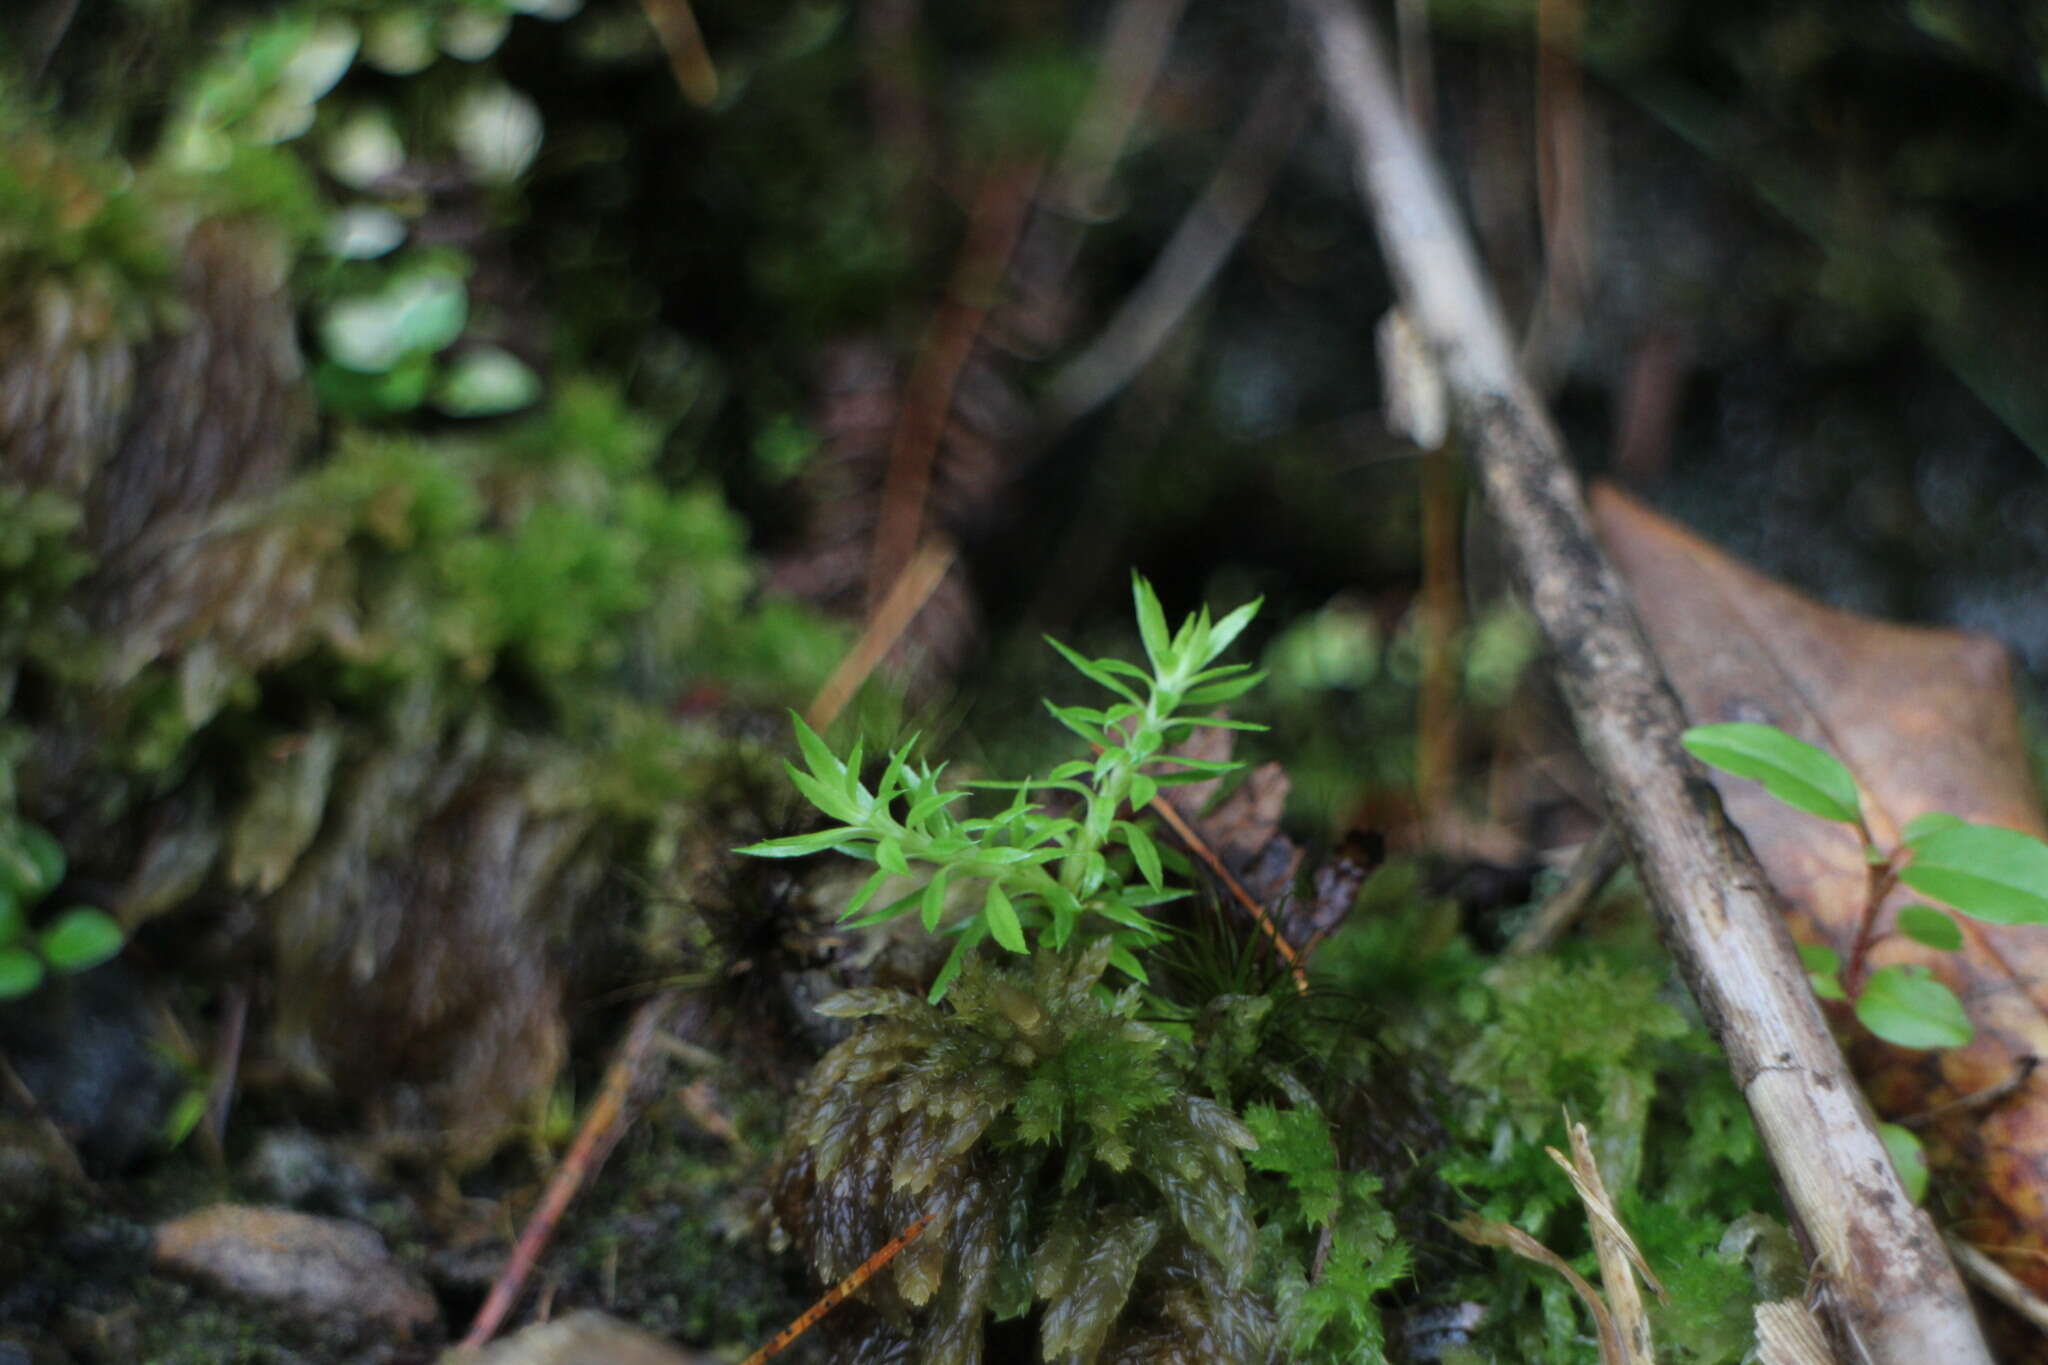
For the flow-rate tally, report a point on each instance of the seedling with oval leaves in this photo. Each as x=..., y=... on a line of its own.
x=1983, y=872
x=31, y=867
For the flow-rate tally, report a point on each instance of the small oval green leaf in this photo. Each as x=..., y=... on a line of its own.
x=81, y=937
x=1927, y=925
x=1911, y=1009
x=20, y=972
x=31, y=862
x=1997, y=875
x=1920, y=826
x=1792, y=770
x=1909, y=1158
x=1818, y=957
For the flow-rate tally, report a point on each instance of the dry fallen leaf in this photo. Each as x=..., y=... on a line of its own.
x=1925, y=720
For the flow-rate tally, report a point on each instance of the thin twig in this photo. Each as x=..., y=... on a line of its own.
x=1134, y=45
x=897, y=104
x=840, y=1292
x=1561, y=175
x=61, y=1151
x=675, y=23
x=1436, y=705
x=1995, y=1280
x=1976, y=1099
x=227, y=1065
x=993, y=228
x=1201, y=849
x=1599, y=858
x=601, y=1130
x=1200, y=245
x=906, y=597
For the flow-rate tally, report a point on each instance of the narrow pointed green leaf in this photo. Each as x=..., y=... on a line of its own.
x=1115, y=910
x=1996, y=875
x=1128, y=670
x=1792, y=770
x=889, y=857
x=1151, y=623
x=866, y=893
x=1142, y=852
x=801, y=845
x=1911, y=1009
x=1092, y=671
x=1002, y=921
x=1142, y=897
x=1230, y=627
x=849, y=781
x=1125, y=961
x=1065, y=910
x=933, y=905
x=1143, y=788
x=1229, y=690
x=1065, y=716
x=815, y=751
x=830, y=800
x=925, y=807
x=900, y=906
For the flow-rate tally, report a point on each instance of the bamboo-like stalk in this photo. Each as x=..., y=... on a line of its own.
x=1891, y=1291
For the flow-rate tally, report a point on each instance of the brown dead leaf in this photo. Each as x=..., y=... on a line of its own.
x=1926, y=721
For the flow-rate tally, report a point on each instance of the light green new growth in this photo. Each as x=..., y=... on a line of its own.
x=1041, y=872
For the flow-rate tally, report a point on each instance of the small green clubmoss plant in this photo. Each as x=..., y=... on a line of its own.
x=1043, y=871
x=1988, y=873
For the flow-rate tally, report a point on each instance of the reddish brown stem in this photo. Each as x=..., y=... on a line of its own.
x=840, y=1292
x=1883, y=877
x=1201, y=850
x=601, y=1130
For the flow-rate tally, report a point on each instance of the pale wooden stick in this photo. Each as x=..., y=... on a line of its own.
x=1892, y=1291
x=906, y=597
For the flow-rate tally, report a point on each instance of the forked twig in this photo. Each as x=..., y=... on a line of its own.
x=839, y=1293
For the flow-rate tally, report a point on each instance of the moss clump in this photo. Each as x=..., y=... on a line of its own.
x=1054, y=1142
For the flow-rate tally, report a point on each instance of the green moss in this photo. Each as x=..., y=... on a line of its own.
x=1054, y=1142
